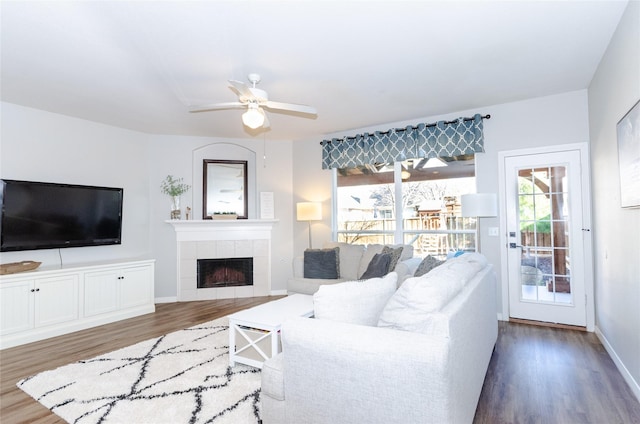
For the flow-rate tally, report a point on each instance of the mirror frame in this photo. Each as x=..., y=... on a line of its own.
x=206, y=164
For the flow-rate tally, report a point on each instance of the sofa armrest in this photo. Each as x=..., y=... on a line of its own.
x=336, y=372
x=298, y=267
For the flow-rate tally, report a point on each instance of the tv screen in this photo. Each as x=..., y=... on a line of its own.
x=38, y=215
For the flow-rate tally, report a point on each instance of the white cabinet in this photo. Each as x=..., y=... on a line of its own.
x=117, y=288
x=134, y=287
x=16, y=306
x=56, y=300
x=38, y=302
x=100, y=292
x=45, y=303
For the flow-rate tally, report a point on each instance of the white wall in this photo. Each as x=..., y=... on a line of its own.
x=310, y=184
x=559, y=119
x=614, y=89
x=175, y=155
x=42, y=146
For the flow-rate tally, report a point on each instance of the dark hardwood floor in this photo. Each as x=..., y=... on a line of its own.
x=536, y=375
x=552, y=375
x=23, y=361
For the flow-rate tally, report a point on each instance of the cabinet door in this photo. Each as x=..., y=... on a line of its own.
x=136, y=287
x=16, y=306
x=56, y=300
x=101, y=292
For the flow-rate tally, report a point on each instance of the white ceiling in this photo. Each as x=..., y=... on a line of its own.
x=141, y=64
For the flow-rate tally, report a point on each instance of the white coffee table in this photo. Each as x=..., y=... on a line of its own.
x=254, y=334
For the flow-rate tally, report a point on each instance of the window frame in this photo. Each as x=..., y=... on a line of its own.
x=399, y=232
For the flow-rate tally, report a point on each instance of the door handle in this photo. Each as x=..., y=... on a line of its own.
x=514, y=246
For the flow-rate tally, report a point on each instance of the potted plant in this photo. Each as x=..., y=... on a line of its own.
x=174, y=187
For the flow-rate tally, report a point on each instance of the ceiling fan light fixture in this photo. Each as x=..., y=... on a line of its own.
x=254, y=117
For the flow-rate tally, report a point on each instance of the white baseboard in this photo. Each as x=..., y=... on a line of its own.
x=170, y=299
x=278, y=292
x=633, y=384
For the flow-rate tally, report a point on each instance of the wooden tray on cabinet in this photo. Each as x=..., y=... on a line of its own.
x=15, y=267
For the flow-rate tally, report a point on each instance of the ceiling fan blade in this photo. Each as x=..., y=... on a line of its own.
x=243, y=91
x=217, y=106
x=290, y=106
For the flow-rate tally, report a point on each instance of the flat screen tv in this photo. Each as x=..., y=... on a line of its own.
x=38, y=215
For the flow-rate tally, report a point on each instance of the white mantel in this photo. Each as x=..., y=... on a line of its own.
x=222, y=238
x=220, y=229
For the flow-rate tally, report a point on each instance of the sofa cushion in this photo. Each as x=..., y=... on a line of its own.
x=309, y=285
x=354, y=302
x=407, y=251
x=378, y=267
x=322, y=263
x=427, y=264
x=350, y=256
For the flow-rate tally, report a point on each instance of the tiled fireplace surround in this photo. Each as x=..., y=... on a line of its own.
x=217, y=239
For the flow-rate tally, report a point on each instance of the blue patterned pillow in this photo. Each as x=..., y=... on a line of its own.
x=322, y=263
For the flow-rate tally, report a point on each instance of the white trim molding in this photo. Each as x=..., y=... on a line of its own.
x=583, y=148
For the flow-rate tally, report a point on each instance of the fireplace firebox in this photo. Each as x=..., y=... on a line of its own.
x=225, y=272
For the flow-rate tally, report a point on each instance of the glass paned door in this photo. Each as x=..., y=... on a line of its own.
x=546, y=264
x=544, y=225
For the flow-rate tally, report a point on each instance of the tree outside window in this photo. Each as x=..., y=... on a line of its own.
x=427, y=215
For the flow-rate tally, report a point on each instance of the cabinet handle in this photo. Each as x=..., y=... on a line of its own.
x=35, y=290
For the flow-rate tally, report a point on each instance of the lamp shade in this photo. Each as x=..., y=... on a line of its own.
x=479, y=204
x=309, y=211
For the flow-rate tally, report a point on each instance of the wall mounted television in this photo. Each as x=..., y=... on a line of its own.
x=38, y=215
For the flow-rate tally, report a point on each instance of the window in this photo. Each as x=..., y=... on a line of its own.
x=427, y=215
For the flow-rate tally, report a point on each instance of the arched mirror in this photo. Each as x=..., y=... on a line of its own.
x=224, y=186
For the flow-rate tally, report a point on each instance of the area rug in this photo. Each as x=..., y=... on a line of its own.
x=181, y=377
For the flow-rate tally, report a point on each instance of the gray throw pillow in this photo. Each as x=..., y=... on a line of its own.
x=395, y=255
x=322, y=263
x=378, y=267
x=427, y=265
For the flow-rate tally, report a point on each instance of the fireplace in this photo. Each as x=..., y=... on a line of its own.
x=224, y=272
x=220, y=239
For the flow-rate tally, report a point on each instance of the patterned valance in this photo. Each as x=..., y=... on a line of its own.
x=441, y=139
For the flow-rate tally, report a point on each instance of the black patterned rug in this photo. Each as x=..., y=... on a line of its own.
x=181, y=377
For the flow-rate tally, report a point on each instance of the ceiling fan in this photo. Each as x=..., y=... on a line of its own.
x=254, y=100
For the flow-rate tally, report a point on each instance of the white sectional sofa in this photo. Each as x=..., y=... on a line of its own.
x=425, y=361
x=354, y=259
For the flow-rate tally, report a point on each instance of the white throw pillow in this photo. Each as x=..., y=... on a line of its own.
x=410, y=308
x=354, y=302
